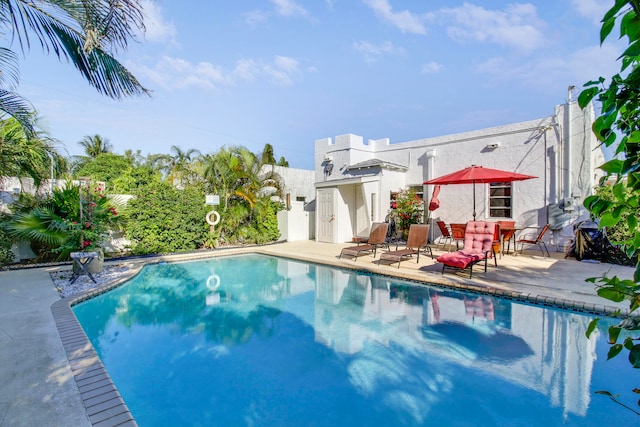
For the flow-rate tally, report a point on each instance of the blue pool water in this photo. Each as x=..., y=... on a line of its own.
x=254, y=340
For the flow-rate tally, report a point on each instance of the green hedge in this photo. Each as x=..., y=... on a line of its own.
x=163, y=219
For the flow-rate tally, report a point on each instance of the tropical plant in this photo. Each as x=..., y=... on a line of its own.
x=235, y=174
x=66, y=221
x=94, y=145
x=407, y=208
x=163, y=219
x=27, y=154
x=134, y=178
x=81, y=32
x=619, y=125
x=180, y=166
x=6, y=255
x=618, y=233
x=283, y=162
x=265, y=221
x=267, y=157
x=106, y=167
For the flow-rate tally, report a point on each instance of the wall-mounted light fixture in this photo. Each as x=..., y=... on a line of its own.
x=493, y=146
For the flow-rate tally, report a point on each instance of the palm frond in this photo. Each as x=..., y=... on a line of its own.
x=58, y=31
x=9, y=76
x=39, y=225
x=20, y=109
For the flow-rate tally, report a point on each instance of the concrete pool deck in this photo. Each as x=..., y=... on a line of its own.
x=37, y=380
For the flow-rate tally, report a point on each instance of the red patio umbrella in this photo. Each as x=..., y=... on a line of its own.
x=435, y=203
x=479, y=174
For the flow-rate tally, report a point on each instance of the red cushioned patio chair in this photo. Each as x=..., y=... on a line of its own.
x=478, y=245
x=417, y=241
x=376, y=239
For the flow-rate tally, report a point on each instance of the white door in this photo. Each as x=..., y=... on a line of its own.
x=326, y=216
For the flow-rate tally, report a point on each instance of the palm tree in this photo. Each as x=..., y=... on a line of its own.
x=160, y=163
x=83, y=32
x=180, y=165
x=267, y=155
x=95, y=145
x=230, y=173
x=27, y=154
x=283, y=162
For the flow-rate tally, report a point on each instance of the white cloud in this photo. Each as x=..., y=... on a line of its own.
x=246, y=69
x=555, y=71
x=175, y=73
x=156, y=28
x=592, y=9
x=282, y=71
x=289, y=8
x=405, y=21
x=255, y=17
x=372, y=52
x=431, y=68
x=518, y=25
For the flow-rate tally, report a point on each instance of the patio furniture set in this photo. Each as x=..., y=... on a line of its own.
x=481, y=240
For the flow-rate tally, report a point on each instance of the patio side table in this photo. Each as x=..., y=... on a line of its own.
x=83, y=260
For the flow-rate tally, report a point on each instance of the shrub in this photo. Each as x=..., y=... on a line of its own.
x=163, y=219
x=265, y=221
x=619, y=233
x=6, y=256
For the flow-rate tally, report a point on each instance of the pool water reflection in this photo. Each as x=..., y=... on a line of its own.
x=258, y=340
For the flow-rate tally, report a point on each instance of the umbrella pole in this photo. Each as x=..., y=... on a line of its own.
x=474, y=200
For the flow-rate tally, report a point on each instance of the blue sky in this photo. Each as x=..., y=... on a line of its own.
x=288, y=72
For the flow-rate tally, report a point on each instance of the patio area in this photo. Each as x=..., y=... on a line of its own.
x=38, y=386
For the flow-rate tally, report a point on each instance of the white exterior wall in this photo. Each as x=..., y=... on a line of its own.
x=297, y=182
x=560, y=150
x=345, y=214
x=294, y=223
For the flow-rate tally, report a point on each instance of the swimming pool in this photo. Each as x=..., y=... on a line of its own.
x=258, y=340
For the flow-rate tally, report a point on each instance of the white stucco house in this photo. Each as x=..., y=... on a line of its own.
x=355, y=179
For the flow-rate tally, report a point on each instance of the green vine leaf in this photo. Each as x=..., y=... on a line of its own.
x=634, y=356
x=613, y=166
x=614, y=351
x=592, y=326
x=611, y=295
x=587, y=95
x=614, y=333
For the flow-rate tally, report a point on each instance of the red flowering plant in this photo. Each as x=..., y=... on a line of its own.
x=88, y=226
x=408, y=208
x=63, y=221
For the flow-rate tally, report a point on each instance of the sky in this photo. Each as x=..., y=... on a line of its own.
x=288, y=72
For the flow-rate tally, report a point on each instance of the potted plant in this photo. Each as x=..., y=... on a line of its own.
x=408, y=209
x=88, y=234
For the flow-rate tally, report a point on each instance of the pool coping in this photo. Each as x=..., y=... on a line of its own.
x=103, y=403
